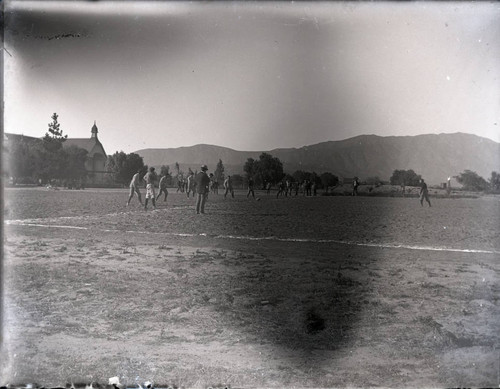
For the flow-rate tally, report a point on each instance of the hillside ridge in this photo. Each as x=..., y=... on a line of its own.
x=434, y=156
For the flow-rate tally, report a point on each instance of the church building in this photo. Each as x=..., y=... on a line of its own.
x=96, y=157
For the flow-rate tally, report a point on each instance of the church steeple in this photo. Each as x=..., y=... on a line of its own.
x=94, y=131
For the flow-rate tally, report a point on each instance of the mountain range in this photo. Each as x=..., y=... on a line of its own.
x=434, y=156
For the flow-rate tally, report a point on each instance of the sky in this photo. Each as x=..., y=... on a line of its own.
x=250, y=75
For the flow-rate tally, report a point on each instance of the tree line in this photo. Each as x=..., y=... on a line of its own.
x=44, y=160
x=468, y=179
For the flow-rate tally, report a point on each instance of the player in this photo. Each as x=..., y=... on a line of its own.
x=250, y=187
x=228, y=186
x=288, y=188
x=190, y=183
x=355, y=185
x=180, y=184
x=134, y=187
x=162, y=185
x=212, y=183
x=268, y=188
x=424, y=193
x=307, y=187
x=202, y=188
x=281, y=189
x=150, y=179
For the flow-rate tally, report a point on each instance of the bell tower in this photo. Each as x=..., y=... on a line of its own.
x=94, y=131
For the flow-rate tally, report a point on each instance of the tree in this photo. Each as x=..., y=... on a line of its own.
x=219, y=172
x=237, y=180
x=50, y=161
x=50, y=155
x=123, y=166
x=405, y=178
x=269, y=169
x=300, y=176
x=75, y=163
x=250, y=167
x=54, y=138
x=373, y=180
x=314, y=178
x=328, y=180
x=266, y=169
x=495, y=181
x=471, y=181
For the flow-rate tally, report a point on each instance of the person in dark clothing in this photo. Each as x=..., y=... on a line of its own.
x=308, y=188
x=202, y=187
x=250, y=187
x=190, y=184
x=281, y=189
x=355, y=185
x=424, y=193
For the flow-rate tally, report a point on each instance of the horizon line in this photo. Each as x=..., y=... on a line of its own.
x=317, y=143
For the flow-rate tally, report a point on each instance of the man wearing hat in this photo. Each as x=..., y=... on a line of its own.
x=202, y=183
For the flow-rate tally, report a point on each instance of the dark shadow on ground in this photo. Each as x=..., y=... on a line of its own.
x=297, y=299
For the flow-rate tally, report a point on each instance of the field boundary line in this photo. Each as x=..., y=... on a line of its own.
x=84, y=217
x=263, y=238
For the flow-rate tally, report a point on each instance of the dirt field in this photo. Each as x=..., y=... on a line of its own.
x=296, y=292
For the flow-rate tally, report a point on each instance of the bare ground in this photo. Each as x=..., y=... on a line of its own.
x=290, y=292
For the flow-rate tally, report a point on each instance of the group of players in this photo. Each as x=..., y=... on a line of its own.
x=186, y=185
x=201, y=184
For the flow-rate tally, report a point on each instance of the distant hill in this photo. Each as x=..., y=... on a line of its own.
x=433, y=156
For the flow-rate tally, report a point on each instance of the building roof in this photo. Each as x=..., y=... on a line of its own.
x=88, y=144
x=84, y=143
x=10, y=136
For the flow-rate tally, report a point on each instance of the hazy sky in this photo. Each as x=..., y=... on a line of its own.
x=251, y=76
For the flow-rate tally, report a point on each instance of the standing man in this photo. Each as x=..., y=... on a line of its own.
x=190, y=183
x=202, y=188
x=250, y=187
x=424, y=193
x=281, y=189
x=150, y=179
x=308, y=187
x=288, y=188
x=212, y=183
x=134, y=187
x=228, y=186
x=180, y=184
x=163, y=188
x=355, y=185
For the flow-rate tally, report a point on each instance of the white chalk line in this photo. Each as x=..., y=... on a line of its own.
x=264, y=238
x=87, y=217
